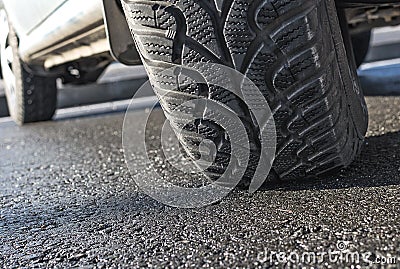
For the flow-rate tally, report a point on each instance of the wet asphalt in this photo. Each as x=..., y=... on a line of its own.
x=67, y=199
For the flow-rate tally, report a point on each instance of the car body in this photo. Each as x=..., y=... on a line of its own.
x=52, y=33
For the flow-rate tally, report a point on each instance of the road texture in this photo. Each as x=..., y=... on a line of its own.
x=67, y=199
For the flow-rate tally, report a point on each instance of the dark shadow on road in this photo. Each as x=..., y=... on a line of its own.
x=378, y=165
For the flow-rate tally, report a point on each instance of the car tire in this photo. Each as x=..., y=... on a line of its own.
x=292, y=50
x=30, y=97
x=361, y=43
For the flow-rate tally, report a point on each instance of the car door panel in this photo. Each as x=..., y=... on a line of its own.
x=26, y=15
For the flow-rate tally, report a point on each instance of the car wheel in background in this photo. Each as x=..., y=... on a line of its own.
x=292, y=50
x=30, y=97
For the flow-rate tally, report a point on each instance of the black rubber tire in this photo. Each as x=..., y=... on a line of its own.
x=297, y=58
x=361, y=43
x=35, y=97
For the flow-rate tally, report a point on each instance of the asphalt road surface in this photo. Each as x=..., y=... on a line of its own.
x=68, y=199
